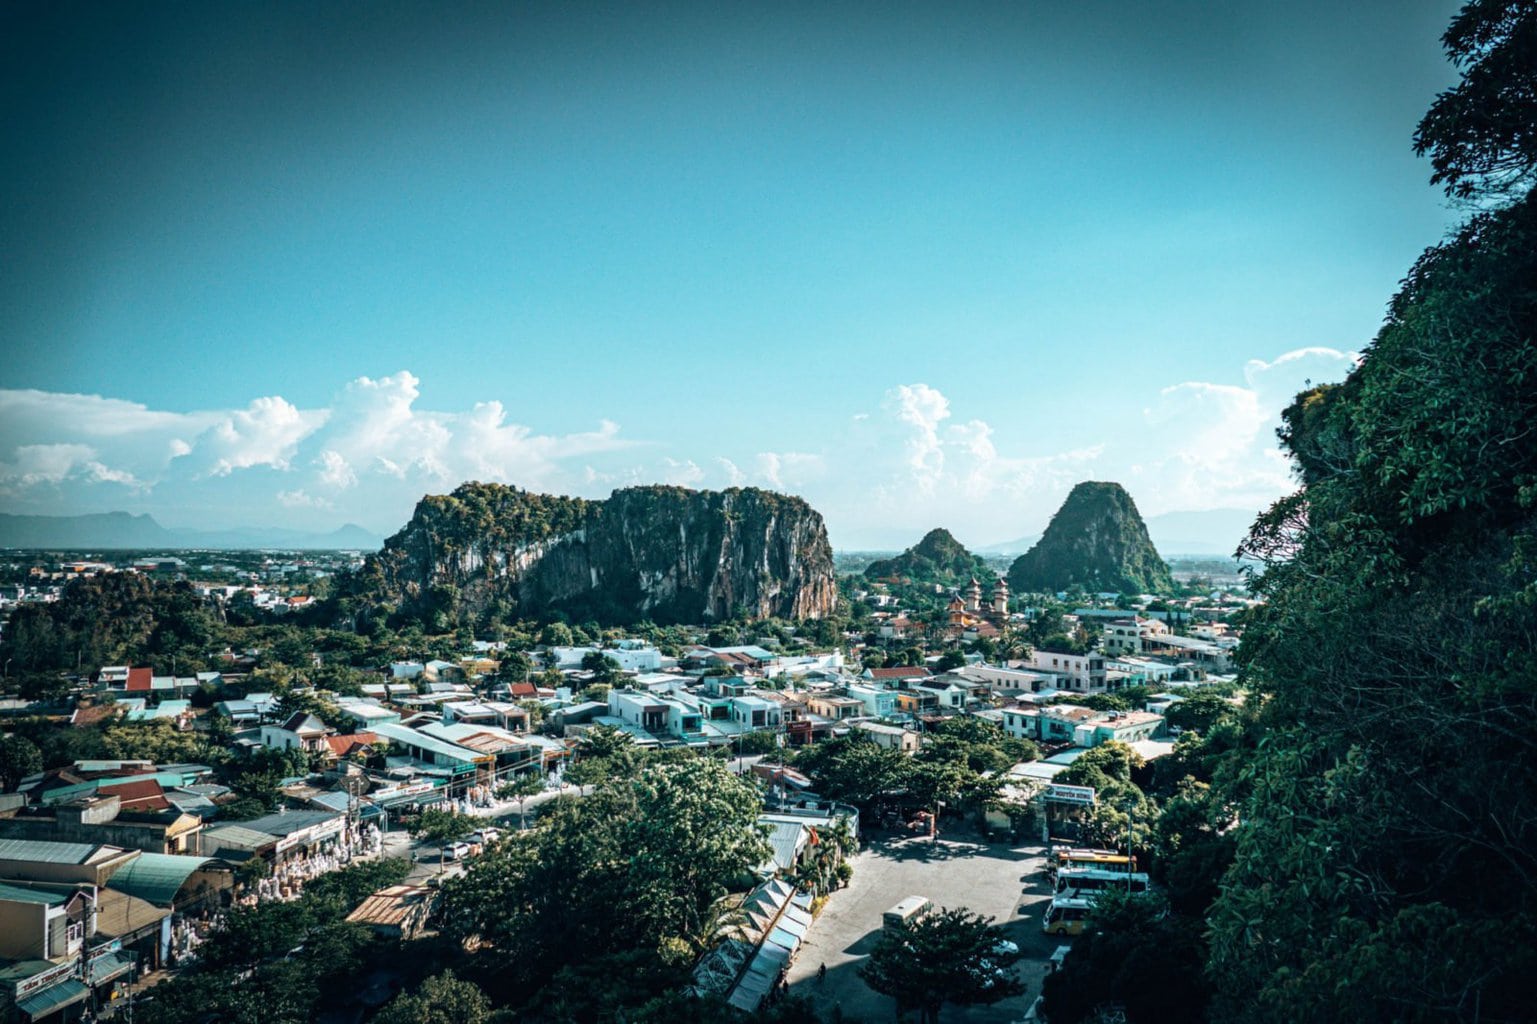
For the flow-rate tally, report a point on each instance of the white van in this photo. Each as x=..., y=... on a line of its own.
x=910, y=909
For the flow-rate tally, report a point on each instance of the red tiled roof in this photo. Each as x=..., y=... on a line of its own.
x=94, y=714
x=341, y=746
x=143, y=795
x=900, y=672
x=138, y=679
x=524, y=690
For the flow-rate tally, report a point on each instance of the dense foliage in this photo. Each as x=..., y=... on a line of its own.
x=1359, y=840
x=961, y=766
x=1479, y=134
x=1390, y=814
x=107, y=619
x=242, y=974
x=949, y=956
x=632, y=875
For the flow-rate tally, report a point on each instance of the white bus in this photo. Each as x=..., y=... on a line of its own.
x=909, y=909
x=1095, y=880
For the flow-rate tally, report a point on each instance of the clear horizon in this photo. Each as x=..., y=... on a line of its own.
x=922, y=268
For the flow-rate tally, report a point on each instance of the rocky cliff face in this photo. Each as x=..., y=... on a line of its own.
x=662, y=553
x=1098, y=541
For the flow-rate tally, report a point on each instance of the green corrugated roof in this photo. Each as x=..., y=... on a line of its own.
x=50, y=999
x=156, y=877
x=45, y=852
x=21, y=894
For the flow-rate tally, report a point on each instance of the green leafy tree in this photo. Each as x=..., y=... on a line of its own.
x=19, y=757
x=556, y=634
x=1133, y=958
x=1198, y=712
x=520, y=788
x=442, y=999
x=855, y=770
x=950, y=956
x=636, y=867
x=951, y=659
x=1478, y=133
x=602, y=753
x=604, y=669
x=157, y=741
x=513, y=668
x=440, y=827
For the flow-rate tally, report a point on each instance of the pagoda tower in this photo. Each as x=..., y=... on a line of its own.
x=974, y=596
x=957, y=611
x=1000, y=598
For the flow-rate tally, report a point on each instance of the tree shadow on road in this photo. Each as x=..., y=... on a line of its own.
x=922, y=848
x=865, y=943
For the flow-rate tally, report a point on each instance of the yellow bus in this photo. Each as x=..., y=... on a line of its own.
x=1066, y=916
x=1107, y=860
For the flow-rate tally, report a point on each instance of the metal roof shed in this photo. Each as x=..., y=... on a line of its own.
x=156, y=877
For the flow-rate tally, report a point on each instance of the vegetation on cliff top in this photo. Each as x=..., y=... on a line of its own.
x=1096, y=541
x=937, y=558
x=489, y=554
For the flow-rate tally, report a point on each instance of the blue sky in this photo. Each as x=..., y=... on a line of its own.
x=923, y=264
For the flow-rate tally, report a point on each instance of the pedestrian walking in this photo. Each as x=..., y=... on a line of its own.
x=822, y=973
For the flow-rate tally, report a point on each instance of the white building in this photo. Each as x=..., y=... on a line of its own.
x=1081, y=673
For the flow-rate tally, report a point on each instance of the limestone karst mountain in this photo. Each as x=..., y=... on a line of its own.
x=1097, y=541
x=668, y=554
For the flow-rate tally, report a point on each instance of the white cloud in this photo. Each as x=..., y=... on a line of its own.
x=734, y=475
x=335, y=471
x=1218, y=440
x=681, y=474
x=919, y=458
x=788, y=471
x=923, y=408
x=33, y=465
x=265, y=433
x=299, y=499
x=370, y=454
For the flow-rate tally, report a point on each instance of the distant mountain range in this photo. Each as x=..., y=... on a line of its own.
x=118, y=531
x=1010, y=547
x=1217, y=531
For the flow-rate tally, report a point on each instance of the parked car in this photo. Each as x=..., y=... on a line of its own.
x=456, y=851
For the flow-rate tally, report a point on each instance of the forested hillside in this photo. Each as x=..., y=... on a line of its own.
x=1375, y=801
x=937, y=558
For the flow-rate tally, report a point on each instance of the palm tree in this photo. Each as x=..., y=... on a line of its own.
x=721, y=921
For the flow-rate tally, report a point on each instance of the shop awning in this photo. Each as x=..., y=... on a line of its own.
x=63, y=994
x=104, y=968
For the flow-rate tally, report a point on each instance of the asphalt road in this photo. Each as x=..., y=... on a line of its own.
x=952, y=871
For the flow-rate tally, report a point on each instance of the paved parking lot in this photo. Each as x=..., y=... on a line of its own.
x=986, y=877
